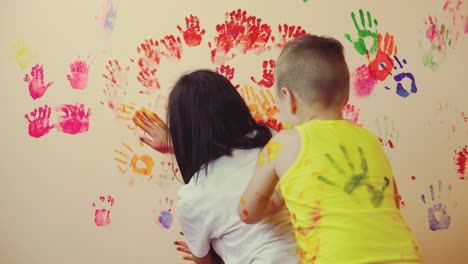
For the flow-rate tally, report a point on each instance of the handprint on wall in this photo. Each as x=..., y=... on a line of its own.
x=173, y=47
x=75, y=118
x=387, y=132
x=437, y=215
x=401, y=90
x=36, y=85
x=287, y=33
x=228, y=72
x=268, y=78
x=22, y=54
x=381, y=66
x=165, y=216
x=192, y=34
x=102, y=211
x=117, y=81
x=39, y=121
x=78, y=78
x=364, y=32
x=128, y=158
x=262, y=105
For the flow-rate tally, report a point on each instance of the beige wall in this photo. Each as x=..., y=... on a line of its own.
x=50, y=183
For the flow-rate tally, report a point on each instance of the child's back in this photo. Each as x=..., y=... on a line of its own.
x=340, y=194
x=333, y=176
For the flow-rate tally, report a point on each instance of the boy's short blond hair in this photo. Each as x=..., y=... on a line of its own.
x=315, y=68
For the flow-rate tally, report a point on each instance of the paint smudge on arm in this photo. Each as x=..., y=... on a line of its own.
x=273, y=148
x=39, y=121
x=192, y=34
x=102, y=211
x=79, y=74
x=36, y=85
x=75, y=118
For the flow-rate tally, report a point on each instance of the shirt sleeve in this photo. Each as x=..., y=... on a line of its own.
x=195, y=224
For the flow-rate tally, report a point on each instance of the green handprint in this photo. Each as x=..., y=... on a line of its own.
x=363, y=32
x=356, y=179
x=378, y=195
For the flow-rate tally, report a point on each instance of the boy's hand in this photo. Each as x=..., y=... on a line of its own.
x=155, y=128
x=182, y=247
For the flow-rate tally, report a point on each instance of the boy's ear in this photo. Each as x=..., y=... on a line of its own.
x=290, y=98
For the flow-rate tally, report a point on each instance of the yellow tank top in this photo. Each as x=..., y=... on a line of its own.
x=340, y=196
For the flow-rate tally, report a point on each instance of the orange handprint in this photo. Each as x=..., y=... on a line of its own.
x=263, y=107
x=132, y=160
x=382, y=65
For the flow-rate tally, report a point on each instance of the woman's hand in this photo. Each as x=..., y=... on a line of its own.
x=155, y=128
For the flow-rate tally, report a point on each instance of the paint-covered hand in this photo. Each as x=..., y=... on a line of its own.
x=182, y=247
x=156, y=128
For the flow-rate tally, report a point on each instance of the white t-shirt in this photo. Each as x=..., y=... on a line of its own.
x=207, y=212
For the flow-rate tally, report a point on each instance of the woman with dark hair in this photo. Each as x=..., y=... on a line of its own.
x=216, y=143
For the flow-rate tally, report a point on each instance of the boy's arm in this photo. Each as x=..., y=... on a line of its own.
x=257, y=201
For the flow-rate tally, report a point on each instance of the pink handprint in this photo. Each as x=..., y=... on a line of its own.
x=173, y=47
x=192, y=33
x=75, y=120
x=288, y=33
x=268, y=78
x=39, y=120
x=351, y=113
x=227, y=72
x=102, y=211
x=79, y=74
x=37, y=87
x=363, y=84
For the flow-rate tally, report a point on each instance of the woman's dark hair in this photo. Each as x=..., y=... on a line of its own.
x=207, y=120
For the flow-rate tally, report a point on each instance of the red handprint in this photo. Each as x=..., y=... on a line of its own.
x=152, y=54
x=116, y=80
x=149, y=80
x=36, y=85
x=268, y=78
x=79, y=74
x=227, y=72
x=75, y=120
x=192, y=34
x=255, y=37
x=287, y=33
x=39, y=120
x=173, y=47
x=382, y=65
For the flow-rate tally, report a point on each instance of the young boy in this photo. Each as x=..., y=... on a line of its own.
x=333, y=176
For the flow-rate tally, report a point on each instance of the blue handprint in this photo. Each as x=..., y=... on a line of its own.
x=437, y=208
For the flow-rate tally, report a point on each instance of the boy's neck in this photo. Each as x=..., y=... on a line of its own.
x=323, y=114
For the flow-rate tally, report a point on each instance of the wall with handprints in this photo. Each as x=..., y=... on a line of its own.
x=79, y=187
